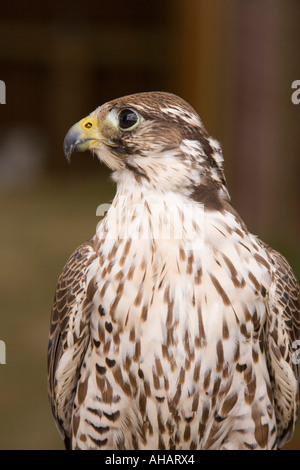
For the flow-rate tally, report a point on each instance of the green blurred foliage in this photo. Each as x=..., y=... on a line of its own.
x=40, y=227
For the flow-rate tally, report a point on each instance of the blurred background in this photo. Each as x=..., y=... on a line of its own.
x=233, y=61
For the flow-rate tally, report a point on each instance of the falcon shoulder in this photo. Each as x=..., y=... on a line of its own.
x=69, y=335
x=283, y=329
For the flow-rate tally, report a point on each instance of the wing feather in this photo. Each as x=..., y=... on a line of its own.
x=69, y=335
x=283, y=332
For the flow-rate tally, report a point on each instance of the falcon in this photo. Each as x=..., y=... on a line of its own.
x=173, y=327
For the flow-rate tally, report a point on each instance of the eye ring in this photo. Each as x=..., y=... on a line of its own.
x=128, y=119
x=88, y=125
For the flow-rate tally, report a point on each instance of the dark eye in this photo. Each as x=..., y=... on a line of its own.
x=127, y=118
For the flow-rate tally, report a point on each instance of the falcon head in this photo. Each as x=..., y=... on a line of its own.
x=157, y=138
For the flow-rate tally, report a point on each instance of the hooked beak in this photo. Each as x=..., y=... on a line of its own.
x=82, y=136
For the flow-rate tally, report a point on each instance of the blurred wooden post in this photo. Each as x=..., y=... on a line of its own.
x=231, y=65
x=202, y=66
x=201, y=30
x=266, y=147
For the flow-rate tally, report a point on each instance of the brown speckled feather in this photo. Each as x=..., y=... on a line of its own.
x=69, y=335
x=283, y=332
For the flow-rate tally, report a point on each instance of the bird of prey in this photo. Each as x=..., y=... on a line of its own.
x=173, y=327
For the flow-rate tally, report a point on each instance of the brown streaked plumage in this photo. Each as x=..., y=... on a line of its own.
x=174, y=327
